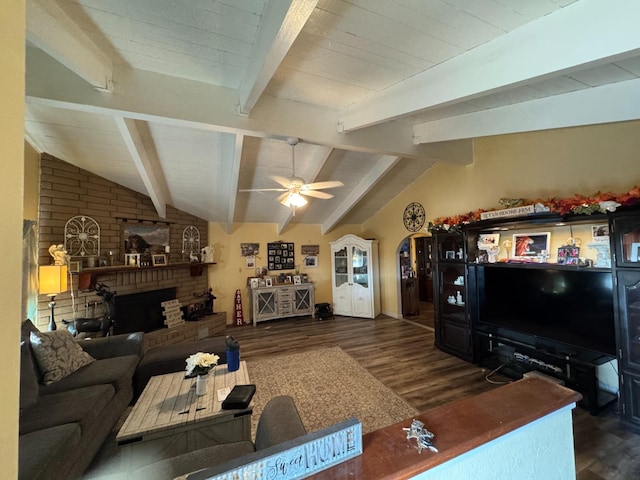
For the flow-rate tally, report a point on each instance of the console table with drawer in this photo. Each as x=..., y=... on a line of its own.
x=281, y=301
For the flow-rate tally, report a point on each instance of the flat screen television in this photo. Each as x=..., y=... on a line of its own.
x=563, y=310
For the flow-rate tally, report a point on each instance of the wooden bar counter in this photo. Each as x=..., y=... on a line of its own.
x=514, y=431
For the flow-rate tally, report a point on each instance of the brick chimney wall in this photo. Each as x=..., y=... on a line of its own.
x=67, y=191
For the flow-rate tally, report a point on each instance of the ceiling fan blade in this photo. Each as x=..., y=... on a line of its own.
x=321, y=185
x=316, y=194
x=285, y=182
x=262, y=190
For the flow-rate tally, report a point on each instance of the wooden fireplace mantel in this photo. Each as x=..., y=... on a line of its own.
x=88, y=276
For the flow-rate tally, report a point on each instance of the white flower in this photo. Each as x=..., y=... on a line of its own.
x=200, y=363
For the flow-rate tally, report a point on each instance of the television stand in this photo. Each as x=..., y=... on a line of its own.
x=578, y=372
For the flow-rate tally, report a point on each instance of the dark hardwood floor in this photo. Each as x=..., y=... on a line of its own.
x=401, y=354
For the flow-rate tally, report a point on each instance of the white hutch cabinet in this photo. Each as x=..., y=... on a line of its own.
x=355, y=278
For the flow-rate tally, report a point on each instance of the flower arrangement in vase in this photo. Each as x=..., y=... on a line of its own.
x=198, y=365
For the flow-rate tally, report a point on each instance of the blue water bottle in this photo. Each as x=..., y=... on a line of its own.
x=233, y=354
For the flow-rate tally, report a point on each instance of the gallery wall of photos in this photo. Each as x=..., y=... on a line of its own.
x=281, y=256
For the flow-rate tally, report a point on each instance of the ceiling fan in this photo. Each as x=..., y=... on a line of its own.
x=295, y=187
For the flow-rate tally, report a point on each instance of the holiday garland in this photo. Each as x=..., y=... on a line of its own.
x=577, y=204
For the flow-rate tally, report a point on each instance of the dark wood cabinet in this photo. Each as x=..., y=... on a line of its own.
x=625, y=236
x=410, y=296
x=451, y=317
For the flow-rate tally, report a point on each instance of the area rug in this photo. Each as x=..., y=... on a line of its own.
x=328, y=386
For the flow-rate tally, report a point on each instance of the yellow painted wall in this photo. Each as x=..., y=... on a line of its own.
x=31, y=182
x=230, y=272
x=12, y=58
x=538, y=164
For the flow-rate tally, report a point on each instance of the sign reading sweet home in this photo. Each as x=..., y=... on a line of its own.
x=297, y=458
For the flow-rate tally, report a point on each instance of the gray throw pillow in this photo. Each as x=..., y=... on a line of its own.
x=58, y=355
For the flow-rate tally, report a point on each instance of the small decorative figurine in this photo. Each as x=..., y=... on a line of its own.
x=59, y=254
x=207, y=254
x=423, y=436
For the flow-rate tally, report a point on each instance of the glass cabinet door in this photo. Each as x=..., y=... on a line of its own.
x=341, y=272
x=266, y=303
x=360, y=266
x=627, y=242
x=629, y=299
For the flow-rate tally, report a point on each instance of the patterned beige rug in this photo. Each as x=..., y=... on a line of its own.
x=328, y=386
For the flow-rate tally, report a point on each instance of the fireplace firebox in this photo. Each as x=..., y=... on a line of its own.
x=141, y=312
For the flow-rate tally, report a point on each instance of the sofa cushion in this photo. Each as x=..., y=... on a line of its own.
x=57, y=354
x=172, y=358
x=26, y=328
x=83, y=406
x=44, y=452
x=117, y=371
x=28, y=378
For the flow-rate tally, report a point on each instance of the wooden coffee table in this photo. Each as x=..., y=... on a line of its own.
x=170, y=419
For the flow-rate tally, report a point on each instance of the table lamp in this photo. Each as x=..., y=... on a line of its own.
x=53, y=280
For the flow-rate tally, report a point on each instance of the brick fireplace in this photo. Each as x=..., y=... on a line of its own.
x=67, y=191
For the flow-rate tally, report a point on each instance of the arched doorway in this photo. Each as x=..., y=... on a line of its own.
x=415, y=284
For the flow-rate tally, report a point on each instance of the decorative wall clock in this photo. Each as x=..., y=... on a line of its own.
x=413, y=217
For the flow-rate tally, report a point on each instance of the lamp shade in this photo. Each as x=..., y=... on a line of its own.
x=53, y=279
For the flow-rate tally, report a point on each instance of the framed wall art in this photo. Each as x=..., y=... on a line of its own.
x=145, y=239
x=311, y=261
x=530, y=245
x=280, y=256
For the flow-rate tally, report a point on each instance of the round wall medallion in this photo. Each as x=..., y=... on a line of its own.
x=413, y=217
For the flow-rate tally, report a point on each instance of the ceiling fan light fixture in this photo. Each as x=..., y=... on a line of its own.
x=294, y=199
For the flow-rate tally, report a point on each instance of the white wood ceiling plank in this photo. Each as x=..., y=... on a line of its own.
x=281, y=24
x=372, y=177
x=170, y=17
x=304, y=87
x=569, y=44
x=52, y=30
x=142, y=151
x=377, y=29
x=343, y=68
x=458, y=26
x=349, y=43
x=535, y=9
x=335, y=54
x=499, y=14
x=604, y=104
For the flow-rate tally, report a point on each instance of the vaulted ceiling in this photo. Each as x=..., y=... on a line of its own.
x=192, y=101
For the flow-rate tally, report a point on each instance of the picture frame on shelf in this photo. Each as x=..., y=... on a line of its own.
x=297, y=280
x=450, y=255
x=568, y=255
x=268, y=282
x=530, y=245
x=159, y=260
x=254, y=282
x=600, y=233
